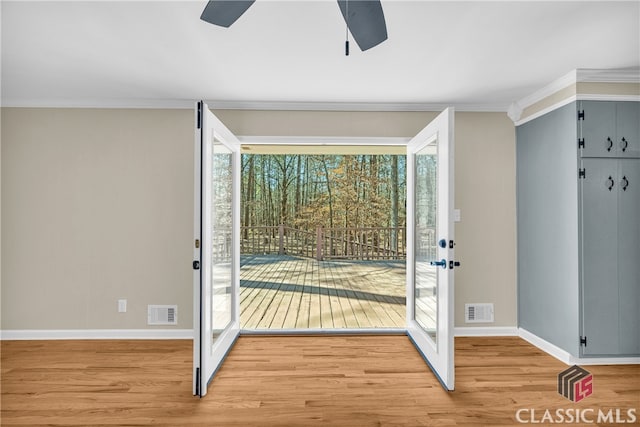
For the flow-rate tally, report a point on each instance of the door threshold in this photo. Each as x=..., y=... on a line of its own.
x=320, y=331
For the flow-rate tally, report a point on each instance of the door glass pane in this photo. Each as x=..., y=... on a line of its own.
x=221, y=238
x=426, y=275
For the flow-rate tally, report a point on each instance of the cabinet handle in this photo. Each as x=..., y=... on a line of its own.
x=609, y=144
x=610, y=183
x=624, y=144
x=624, y=183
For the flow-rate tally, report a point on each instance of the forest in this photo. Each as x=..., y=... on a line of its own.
x=305, y=192
x=334, y=191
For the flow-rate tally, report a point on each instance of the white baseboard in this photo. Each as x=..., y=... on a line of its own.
x=545, y=346
x=87, y=334
x=97, y=334
x=604, y=361
x=187, y=334
x=488, y=331
x=568, y=358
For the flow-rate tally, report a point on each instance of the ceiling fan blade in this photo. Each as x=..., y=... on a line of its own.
x=225, y=12
x=365, y=21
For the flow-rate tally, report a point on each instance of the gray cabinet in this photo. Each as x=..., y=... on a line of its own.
x=609, y=129
x=578, y=195
x=610, y=218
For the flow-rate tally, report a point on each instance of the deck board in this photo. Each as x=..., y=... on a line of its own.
x=286, y=292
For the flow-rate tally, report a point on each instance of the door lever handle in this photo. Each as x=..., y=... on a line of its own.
x=442, y=263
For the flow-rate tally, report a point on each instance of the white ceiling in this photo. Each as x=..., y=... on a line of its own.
x=474, y=55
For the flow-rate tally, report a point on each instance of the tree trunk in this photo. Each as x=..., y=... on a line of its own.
x=394, y=203
x=326, y=175
x=249, y=195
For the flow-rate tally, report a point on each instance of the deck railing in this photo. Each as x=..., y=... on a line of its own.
x=370, y=243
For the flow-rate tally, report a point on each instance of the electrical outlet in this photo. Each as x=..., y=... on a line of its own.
x=122, y=306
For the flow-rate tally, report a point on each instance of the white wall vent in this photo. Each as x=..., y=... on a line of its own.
x=162, y=315
x=478, y=313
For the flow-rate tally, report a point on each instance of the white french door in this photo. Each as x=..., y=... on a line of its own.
x=216, y=255
x=430, y=243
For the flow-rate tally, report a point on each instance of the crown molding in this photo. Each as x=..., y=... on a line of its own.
x=582, y=75
x=627, y=75
x=98, y=103
x=353, y=106
x=123, y=103
x=107, y=103
x=515, y=110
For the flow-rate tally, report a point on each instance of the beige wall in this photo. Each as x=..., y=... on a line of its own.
x=97, y=205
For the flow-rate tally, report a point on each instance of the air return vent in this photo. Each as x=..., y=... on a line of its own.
x=478, y=313
x=162, y=315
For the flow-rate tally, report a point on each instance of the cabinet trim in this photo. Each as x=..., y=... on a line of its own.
x=580, y=97
x=567, y=89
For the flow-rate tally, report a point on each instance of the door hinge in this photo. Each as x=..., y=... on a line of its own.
x=582, y=173
x=580, y=142
x=199, y=114
x=583, y=341
x=197, y=379
x=580, y=114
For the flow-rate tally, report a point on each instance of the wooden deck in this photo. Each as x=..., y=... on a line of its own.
x=286, y=292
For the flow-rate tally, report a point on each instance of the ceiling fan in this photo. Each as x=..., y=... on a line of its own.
x=364, y=18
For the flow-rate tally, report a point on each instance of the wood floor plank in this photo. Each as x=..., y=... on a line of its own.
x=292, y=381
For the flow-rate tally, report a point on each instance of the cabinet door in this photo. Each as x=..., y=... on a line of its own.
x=629, y=255
x=598, y=128
x=600, y=299
x=628, y=129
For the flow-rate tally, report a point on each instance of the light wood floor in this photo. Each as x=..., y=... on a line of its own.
x=286, y=292
x=291, y=381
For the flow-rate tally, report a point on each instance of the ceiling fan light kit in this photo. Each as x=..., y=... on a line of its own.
x=364, y=18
